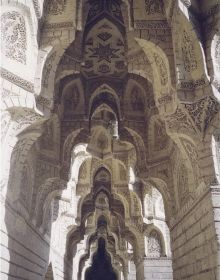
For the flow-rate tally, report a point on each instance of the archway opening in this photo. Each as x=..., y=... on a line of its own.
x=101, y=266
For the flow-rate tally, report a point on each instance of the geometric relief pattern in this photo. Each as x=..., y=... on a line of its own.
x=112, y=8
x=13, y=36
x=104, y=53
x=104, y=44
x=104, y=36
x=107, y=179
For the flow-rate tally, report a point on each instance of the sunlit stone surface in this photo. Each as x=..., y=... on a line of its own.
x=110, y=131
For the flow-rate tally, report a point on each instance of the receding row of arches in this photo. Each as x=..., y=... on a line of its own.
x=104, y=230
x=109, y=140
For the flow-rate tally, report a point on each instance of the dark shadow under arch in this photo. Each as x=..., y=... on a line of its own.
x=101, y=266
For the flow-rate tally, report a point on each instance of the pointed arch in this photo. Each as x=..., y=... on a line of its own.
x=163, y=77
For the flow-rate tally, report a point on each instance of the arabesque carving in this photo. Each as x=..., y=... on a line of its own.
x=14, y=36
x=154, y=244
x=56, y=7
x=189, y=58
x=203, y=111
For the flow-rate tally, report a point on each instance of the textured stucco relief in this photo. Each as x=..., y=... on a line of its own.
x=134, y=159
x=55, y=7
x=188, y=53
x=154, y=244
x=14, y=37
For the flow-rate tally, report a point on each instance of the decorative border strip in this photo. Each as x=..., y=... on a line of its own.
x=37, y=8
x=58, y=25
x=157, y=259
x=190, y=85
x=17, y=80
x=151, y=24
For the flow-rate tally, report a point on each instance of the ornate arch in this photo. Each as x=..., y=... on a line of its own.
x=46, y=192
x=165, y=97
x=165, y=191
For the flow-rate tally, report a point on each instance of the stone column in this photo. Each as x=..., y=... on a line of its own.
x=140, y=269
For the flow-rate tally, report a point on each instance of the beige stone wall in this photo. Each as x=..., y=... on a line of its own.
x=25, y=251
x=158, y=269
x=194, y=239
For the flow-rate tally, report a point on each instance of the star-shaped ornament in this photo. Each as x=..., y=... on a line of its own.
x=104, y=52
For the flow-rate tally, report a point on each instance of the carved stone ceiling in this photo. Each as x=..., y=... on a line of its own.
x=100, y=49
x=106, y=52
